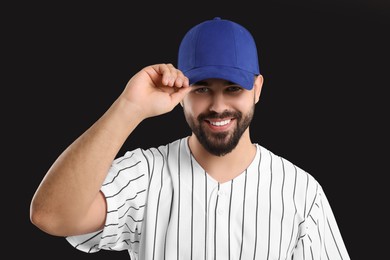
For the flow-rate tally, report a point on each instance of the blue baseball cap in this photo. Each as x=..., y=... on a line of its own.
x=219, y=48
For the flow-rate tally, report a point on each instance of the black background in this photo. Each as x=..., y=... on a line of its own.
x=323, y=104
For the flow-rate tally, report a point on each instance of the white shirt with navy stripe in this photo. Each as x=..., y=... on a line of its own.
x=163, y=205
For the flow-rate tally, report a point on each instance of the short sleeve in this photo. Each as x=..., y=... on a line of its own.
x=125, y=189
x=321, y=237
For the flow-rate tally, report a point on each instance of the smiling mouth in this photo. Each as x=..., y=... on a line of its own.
x=219, y=123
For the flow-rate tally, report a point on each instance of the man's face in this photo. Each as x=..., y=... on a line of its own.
x=218, y=113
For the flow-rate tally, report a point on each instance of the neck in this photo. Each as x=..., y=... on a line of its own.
x=226, y=167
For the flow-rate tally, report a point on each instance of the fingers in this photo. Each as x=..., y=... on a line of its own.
x=171, y=76
x=175, y=78
x=179, y=94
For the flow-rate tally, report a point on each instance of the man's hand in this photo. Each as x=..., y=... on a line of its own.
x=156, y=89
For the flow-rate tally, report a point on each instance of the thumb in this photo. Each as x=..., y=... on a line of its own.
x=178, y=95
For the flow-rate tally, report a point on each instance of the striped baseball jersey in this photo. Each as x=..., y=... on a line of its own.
x=161, y=204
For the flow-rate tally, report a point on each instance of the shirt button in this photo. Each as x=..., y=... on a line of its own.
x=221, y=193
x=220, y=211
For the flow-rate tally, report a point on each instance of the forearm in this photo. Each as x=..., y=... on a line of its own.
x=72, y=183
x=68, y=199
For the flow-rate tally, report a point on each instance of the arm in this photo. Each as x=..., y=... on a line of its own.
x=68, y=201
x=321, y=238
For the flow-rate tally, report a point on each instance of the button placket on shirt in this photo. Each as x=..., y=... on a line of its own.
x=221, y=202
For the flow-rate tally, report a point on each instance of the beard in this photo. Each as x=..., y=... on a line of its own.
x=222, y=143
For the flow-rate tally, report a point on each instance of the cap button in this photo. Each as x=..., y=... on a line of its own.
x=217, y=18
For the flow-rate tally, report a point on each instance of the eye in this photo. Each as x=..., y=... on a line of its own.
x=234, y=89
x=201, y=90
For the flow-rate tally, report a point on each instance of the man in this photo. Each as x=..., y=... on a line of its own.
x=212, y=195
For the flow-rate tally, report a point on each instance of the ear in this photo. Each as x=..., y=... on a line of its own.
x=258, y=85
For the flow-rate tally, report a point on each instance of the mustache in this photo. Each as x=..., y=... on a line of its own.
x=215, y=115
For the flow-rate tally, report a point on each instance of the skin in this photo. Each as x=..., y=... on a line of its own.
x=68, y=201
x=215, y=97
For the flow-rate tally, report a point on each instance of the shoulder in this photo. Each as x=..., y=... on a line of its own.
x=283, y=168
x=151, y=155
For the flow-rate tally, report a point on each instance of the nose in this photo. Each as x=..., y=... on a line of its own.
x=218, y=103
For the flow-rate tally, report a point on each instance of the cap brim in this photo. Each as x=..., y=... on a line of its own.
x=243, y=78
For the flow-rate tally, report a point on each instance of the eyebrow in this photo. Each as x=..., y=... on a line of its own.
x=206, y=83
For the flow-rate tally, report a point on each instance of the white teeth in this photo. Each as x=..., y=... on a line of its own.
x=220, y=123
